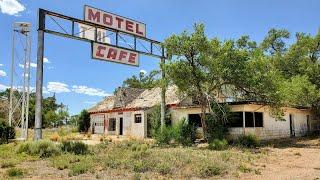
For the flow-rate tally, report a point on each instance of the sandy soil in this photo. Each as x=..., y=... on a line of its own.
x=298, y=159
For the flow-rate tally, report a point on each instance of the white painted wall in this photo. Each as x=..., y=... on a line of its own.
x=272, y=128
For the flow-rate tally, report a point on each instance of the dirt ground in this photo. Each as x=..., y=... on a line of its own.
x=293, y=159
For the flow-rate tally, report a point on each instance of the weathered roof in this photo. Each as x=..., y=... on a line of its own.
x=152, y=97
x=124, y=96
x=107, y=103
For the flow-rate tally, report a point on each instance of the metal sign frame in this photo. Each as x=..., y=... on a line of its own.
x=40, y=55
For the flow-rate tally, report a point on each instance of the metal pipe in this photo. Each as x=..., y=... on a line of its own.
x=163, y=93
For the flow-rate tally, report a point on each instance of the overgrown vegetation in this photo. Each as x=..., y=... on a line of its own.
x=218, y=144
x=6, y=132
x=43, y=148
x=84, y=121
x=248, y=140
x=75, y=147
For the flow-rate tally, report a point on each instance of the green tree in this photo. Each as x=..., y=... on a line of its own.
x=84, y=121
x=143, y=81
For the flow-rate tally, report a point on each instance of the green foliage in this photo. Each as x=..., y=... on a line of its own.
x=6, y=132
x=42, y=148
x=218, y=144
x=79, y=168
x=165, y=135
x=249, y=140
x=144, y=81
x=186, y=133
x=84, y=121
x=208, y=170
x=155, y=120
x=217, y=122
x=75, y=147
x=15, y=172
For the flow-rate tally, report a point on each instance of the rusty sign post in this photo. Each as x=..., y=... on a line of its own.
x=99, y=24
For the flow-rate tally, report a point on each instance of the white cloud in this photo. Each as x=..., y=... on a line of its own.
x=3, y=73
x=57, y=87
x=1, y=65
x=89, y=91
x=143, y=71
x=50, y=67
x=3, y=87
x=46, y=60
x=11, y=7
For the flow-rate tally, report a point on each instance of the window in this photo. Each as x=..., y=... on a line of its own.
x=112, y=124
x=137, y=118
x=249, y=119
x=236, y=119
x=254, y=119
x=195, y=120
x=258, y=116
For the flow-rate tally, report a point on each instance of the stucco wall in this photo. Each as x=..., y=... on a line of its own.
x=271, y=129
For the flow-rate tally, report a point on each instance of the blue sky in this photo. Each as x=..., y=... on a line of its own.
x=79, y=81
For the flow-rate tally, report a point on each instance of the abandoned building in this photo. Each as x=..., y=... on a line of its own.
x=127, y=112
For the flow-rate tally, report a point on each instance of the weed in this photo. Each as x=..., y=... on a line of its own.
x=8, y=163
x=249, y=140
x=79, y=168
x=15, y=172
x=243, y=168
x=42, y=148
x=75, y=147
x=207, y=170
x=55, y=137
x=218, y=144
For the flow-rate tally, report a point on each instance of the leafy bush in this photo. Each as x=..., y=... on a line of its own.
x=155, y=120
x=249, y=140
x=186, y=133
x=79, y=168
x=217, y=122
x=15, y=172
x=75, y=147
x=6, y=132
x=208, y=170
x=218, y=144
x=41, y=148
x=165, y=135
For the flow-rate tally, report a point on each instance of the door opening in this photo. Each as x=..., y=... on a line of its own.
x=121, y=126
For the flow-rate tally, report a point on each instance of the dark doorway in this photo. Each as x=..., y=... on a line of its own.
x=121, y=126
x=149, y=126
x=292, y=133
x=195, y=119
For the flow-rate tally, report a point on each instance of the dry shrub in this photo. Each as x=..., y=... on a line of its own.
x=55, y=137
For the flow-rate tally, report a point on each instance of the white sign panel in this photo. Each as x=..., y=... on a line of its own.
x=88, y=32
x=110, y=20
x=114, y=54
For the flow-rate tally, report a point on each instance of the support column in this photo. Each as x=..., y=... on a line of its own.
x=39, y=82
x=163, y=93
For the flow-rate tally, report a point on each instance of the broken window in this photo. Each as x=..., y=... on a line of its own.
x=236, y=119
x=112, y=124
x=137, y=118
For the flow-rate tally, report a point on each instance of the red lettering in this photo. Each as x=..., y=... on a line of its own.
x=107, y=19
x=123, y=54
x=120, y=20
x=137, y=30
x=92, y=16
x=112, y=53
x=99, y=53
x=132, y=58
x=129, y=26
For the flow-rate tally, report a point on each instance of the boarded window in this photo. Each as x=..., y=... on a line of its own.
x=137, y=118
x=195, y=119
x=112, y=124
x=236, y=119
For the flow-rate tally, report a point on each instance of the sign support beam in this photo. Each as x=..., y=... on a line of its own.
x=39, y=78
